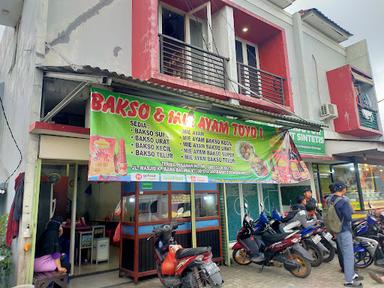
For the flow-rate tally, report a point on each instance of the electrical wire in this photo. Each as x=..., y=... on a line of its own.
x=14, y=140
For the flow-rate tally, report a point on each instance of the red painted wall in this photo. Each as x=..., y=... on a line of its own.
x=274, y=59
x=340, y=84
x=342, y=92
x=145, y=42
x=145, y=53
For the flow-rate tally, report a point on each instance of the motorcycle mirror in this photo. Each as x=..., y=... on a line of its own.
x=180, y=211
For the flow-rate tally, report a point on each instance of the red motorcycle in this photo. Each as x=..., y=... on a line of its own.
x=183, y=267
x=284, y=248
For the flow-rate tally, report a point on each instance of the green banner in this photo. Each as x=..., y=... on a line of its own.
x=309, y=142
x=135, y=139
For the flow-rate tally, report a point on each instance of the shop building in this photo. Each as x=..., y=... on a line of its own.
x=245, y=61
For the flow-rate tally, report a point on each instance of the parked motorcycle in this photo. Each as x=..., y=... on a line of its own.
x=312, y=238
x=282, y=248
x=368, y=241
x=328, y=241
x=183, y=267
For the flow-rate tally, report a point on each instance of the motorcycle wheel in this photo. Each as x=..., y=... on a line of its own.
x=363, y=259
x=315, y=252
x=305, y=265
x=328, y=257
x=241, y=257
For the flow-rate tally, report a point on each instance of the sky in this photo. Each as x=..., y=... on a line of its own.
x=364, y=19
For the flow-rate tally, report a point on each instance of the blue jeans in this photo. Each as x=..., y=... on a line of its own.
x=345, y=242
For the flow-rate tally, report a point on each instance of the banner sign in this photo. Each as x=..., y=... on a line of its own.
x=309, y=142
x=135, y=139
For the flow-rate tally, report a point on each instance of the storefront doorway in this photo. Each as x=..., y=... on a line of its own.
x=65, y=192
x=251, y=194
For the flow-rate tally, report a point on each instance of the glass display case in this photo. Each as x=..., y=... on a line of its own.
x=372, y=184
x=147, y=205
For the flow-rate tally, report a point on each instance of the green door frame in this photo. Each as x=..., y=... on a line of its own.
x=33, y=224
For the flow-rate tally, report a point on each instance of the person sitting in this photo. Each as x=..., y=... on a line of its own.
x=299, y=213
x=48, y=250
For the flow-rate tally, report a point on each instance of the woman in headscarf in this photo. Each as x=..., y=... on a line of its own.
x=48, y=250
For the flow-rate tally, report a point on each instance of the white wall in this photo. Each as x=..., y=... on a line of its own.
x=319, y=58
x=89, y=32
x=23, y=83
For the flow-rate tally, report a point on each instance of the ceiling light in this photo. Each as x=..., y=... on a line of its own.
x=245, y=29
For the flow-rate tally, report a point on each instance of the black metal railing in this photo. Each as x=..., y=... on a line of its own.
x=368, y=117
x=265, y=84
x=186, y=61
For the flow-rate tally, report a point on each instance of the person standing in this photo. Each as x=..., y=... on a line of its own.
x=344, y=239
x=309, y=200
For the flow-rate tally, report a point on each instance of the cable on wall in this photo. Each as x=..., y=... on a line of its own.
x=14, y=140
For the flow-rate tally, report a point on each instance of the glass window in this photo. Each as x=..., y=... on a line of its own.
x=251, y=56
x=251, y=198
x=239, y=51
x=233, y=212
x=372, y=184
x=173, y=24
x=346, y=173
x=206, y=205
x=181, y=205
x=129, y=208
x=325, y=179
x=153, y=208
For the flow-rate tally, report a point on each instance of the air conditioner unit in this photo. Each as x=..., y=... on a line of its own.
x=328, y=111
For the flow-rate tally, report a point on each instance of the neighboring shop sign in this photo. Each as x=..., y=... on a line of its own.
x=133, y=139
x=309, y=142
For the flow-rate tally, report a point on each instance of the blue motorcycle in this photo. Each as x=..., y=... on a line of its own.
x=368, y=241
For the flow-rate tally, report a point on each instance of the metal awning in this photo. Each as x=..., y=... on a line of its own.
x=371, y=152
x=362, y=78
x=178, y=97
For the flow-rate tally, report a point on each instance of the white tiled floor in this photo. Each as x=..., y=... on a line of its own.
x=103, y=280
x=103, y=266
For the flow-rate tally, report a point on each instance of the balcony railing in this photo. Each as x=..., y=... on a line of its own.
x=190, y=62
x=368, y=117
x=265, y=84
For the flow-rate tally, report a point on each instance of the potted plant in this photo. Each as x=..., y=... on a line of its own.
x=5, y=253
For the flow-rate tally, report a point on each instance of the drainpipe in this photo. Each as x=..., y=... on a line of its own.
x=299, y=53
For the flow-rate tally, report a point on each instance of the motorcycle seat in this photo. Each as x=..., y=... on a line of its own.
x=188, y=252
x=273, y=238
x=357, y=221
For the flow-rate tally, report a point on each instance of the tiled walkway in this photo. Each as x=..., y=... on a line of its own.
x=325, y=276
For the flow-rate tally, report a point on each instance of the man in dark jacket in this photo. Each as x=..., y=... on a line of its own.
x=344, y=237
x=299, y=213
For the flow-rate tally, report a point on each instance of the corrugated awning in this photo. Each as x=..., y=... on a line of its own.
x=180, y=97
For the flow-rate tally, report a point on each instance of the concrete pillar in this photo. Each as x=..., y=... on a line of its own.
x=224, y=39
x=302, y=80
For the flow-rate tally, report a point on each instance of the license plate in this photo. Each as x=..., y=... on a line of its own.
x=316, y=239
x=328, y=236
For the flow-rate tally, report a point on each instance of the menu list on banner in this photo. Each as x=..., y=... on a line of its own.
x=134, y=139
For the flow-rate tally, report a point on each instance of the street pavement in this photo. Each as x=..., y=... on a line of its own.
x=327, y=275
